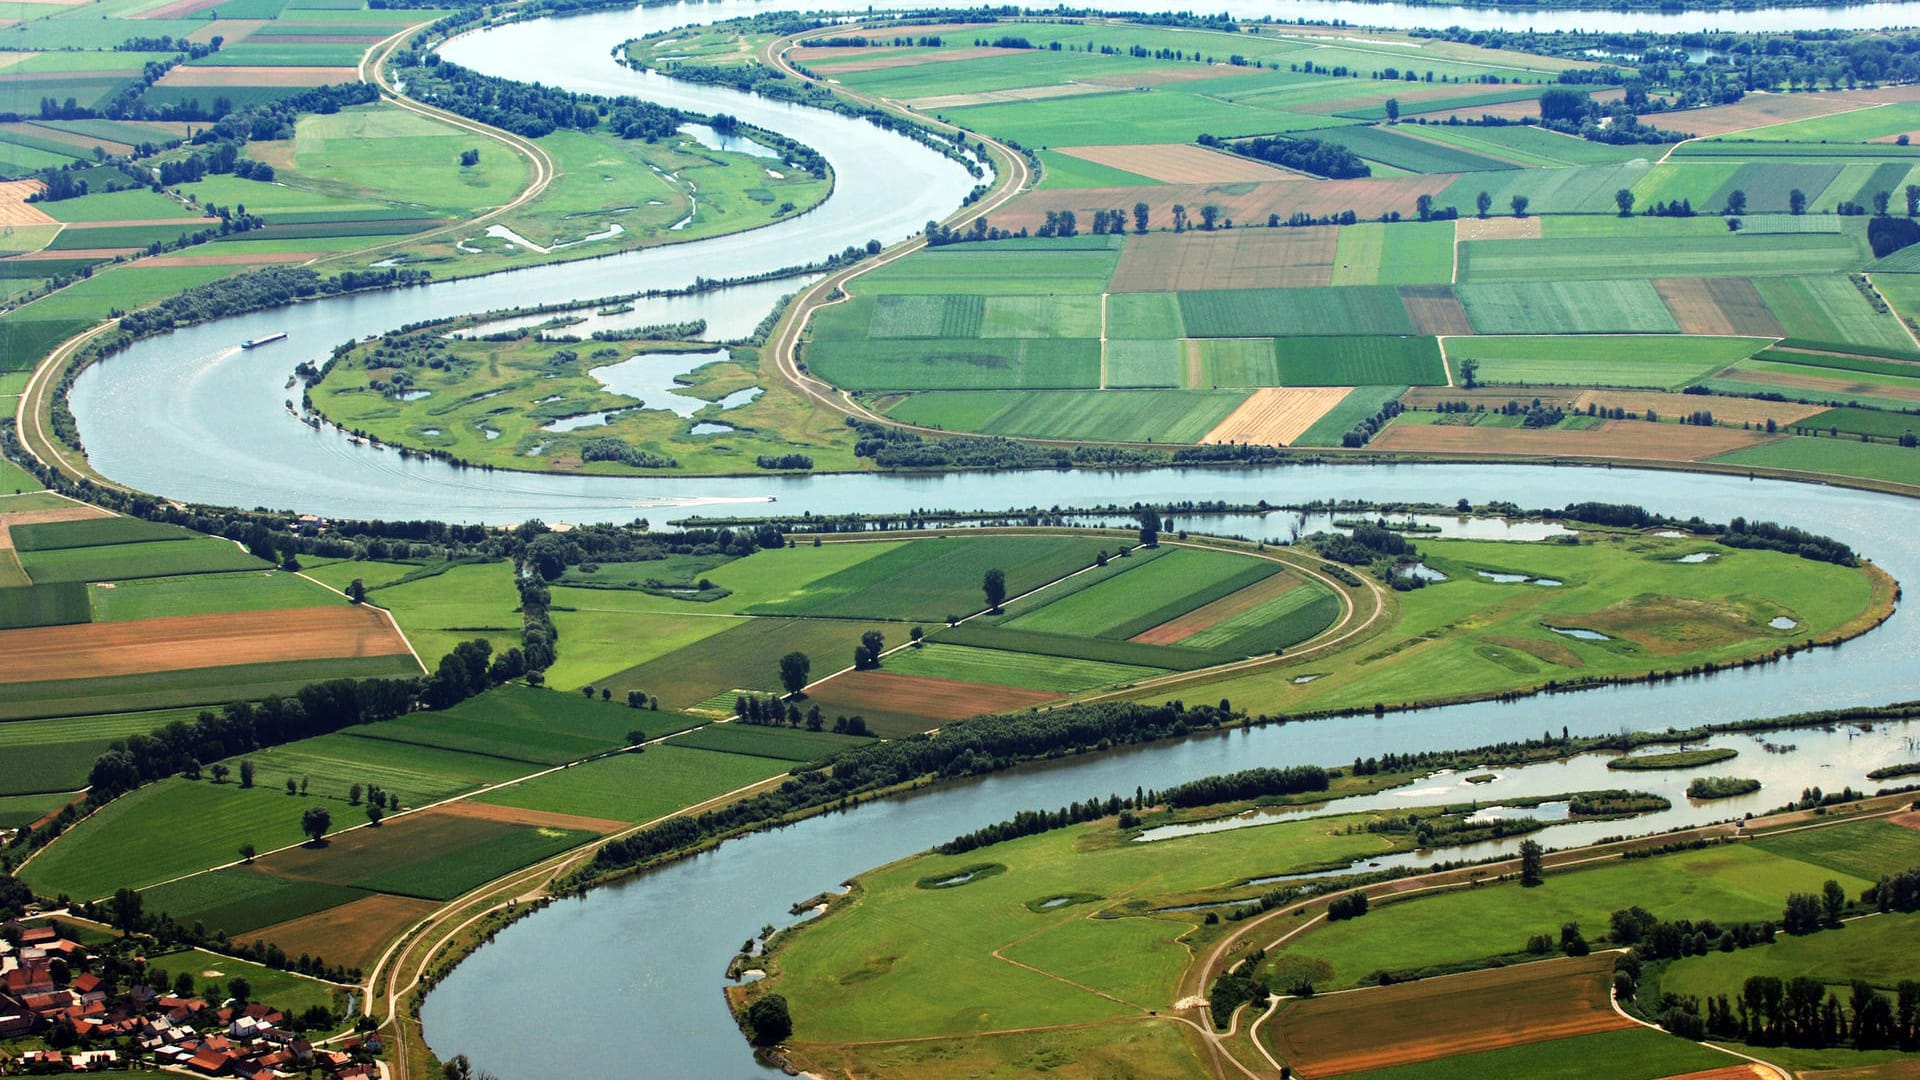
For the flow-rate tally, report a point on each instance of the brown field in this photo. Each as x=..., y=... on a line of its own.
x=1234, y=259
x=1726, y=410
x=997, y=97
x=350, y=935
x=1907, y=821
x=182, y=642
x=1510, y=110
x=1447, y=1016
x=1496, y=228
x=14, y=207
x=82, y=143
x=1275, y=416
x=257, y=76
x=76, y=512
x=1180, y=163
x=1207, y=616
x=1731, y=1072
x=513, y=815
x=1435, y=310
x=1614, y=439
x=1892, y=1070
x=263, y=258
x=1728, y=306
x=179, y=9
x=944, y=56
x=1245, y=203
x=919, y=695
x=403, y=841
x=1765, y=110
x=1842, y=389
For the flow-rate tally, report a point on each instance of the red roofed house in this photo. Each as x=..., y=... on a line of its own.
x=212, y=1062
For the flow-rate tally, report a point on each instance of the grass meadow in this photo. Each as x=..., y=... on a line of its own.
x=1664, y=363
x=1628, y=1054
x=933, y=579
x=640, y=787
x=1028, y=671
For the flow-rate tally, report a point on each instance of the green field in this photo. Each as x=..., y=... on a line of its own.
x=1830, y=309
x=1144, y=316
x=1247, y=313
x=1631, y=1054
x=1358, y=361
x=1135, y=364
x=54, y=755
x=1279, y=623
x=932, y=579
x=1712, y=255
x=20, y=810
x=1080, y=265
x=1145, y=597
x=203, y=594
x=1867, y=849
x=541, y=727
x=1028, y=671
x=43, y=605
x=1663, y=363
x=1841, y=457
x=1879, y=950
x=284, y=990
x=1393, y=146
x=447, y=874
x=1160, y=416
x=1584, y=307
x=194, y=686
x=1066, y=171
x=958, y=363
x=640, y=787
x=331, y=764
x=242, y=899
x=120, y=562
x=759, y=741
x=1404, y=253
x=1364, y=402
x=745, y=656
x=94, y=532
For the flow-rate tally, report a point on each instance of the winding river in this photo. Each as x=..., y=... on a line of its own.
x=625, y=979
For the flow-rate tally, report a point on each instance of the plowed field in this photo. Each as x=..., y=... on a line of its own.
x=1239, y=259
x=1180, y=163
x=1446, y=1017
x=1725, y=409
x=1615, y=438
x=1206, y=616
x=14, y=207
x=1435, y=310
x=257, y=76
x=918, y=695
x=1840, y=388
x=179, y=643
x=1731, y=1072
x=1275, y=416
x=513, y=815
x=351, y=935
x=1718, y=306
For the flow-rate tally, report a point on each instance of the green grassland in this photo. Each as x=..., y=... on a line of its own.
x=1358, y=361
x=1404, y=253
x=1830, y=309
x=94, y=532
x=284, y=990
x=1631, y=1054
x=466, y=602
x=1161, y=416
x=1243, y=313
x=745, y=656
x=331, y=764
x=1028, y=671
x=202, y=594
x=1363, y=402
x=1874, y=422
x=1658, y=613
x=1866, y=849
x=1880, y=950
x=1840, y=457
x=1147, y=316
x=15, y=480
x=542, y=727
x=1140, y=364
x=1583, y=307
x=958, y=363
x=915, y=952
x=23, y=605
x=444, y=875
x=932, y=579
x=242, y=899
x=640, y=787
x=1712, y=255
x=151, y=559
x=55, y=755
x=19, y=810
x=760, y=741
x=1150, y=594
x=1664, y=363
x=193, y=686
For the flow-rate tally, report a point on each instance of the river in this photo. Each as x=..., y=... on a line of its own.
x=188, y=415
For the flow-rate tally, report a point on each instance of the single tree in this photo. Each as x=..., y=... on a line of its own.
x=875, y=644
x=1833, y=899
x=1796, y=201
x=636, y=737
x=1423, y=206
x=1880, y=201
x=793, y=671
x=1179, y=218
x=1484, y=201
x=768, y=1022
x=356, y=591
x=374, y=813
x=1736, y=202
x=246, y=772
x=606, y=693
x=1913, y=200
x=353, y=795
x=1469, y=373
x=469, y=158
x=1734, y=224
x=1140, y=212
x=1519, y=204
x=239, y=989
x=183, y=984
x=995, y=586
x=1393, y=110
x=1532, y=863
x=246, y=852
x=1209, y=217
x=292, y=787
x=315, y=821
x=1149, y=527
x=220, y=773
x=1624, y=200
x=128, y=913
x=917, y=636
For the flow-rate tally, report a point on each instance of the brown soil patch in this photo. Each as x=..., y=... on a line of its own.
x=1196, y=366
x=1180, y=163
x=1842, y=389
x=944, y=56
x=1207, y=616
x=920, y=695
x=1507, y=110
x=258, y=76
x=1631, y=439
x=1892, y=1070
x=1496, y=228
x=257, y=259
x=513, y=815
x=82, y=143
x=76, y=512
x=1230, y=259
x=1726, y=410
x=1907, y=821
x=14, y=207
x=182, y=642
x=351, y=935
x=1765, y=110
x=1449, y=1016
x=1000, y=97
x=1246, y=203
x=1731, y=1072
x=1720, y=305
x=1275, y=416
x=1435, y=310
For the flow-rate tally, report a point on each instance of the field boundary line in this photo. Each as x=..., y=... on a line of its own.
x=1897, y=317
x=388, y=612
x=1445, y=364
x=1759, y=127
x=1103, y=339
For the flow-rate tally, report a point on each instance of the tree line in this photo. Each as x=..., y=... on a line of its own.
x=1316, y=156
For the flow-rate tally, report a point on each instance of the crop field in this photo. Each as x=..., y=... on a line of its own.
x=1358, y=361
x=1248, y=203
x=1600, y=360
x=430, y=856
x=1169, y=163
x=94, y=532
x=1149, y=594
x=1393, y=146
x=187, y=642
x=1009, y=267
x=1586, y=307
x=331, y=764
x=60, y=604
x=1859, y=125
x=542, y=727
x=919, y=583
x=1634, y=1053
x=1027, y=671
x=1237, y=259
x=1871, y=422
x=743, y=657
x=1274, y=416
x=1866, y=849
x=1879, y=950
x=19, y=810
x=95, y=694
x=1729, y=411
x=958, y=363
x=243, y=899
x=1249, y=313
x=1140, y=365
x=1718, y=305
x=1160, y=416
x=1448, y=1017
x=640, y=787
x=1586, y=190
x=759, y=741
x=1059, y=169
x=896, y=705
x=205, y=594
x=1608, y=438
x=1830, y=309
x=1278, y=622
x=1067, y=646
x=154, y=558
x=1403, y=253
x=54, y=755
x=353, y=934
x=1144, y=316
x=1596, y=259
x=1362, y=403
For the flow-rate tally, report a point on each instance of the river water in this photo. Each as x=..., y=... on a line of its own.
x=188, y=415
